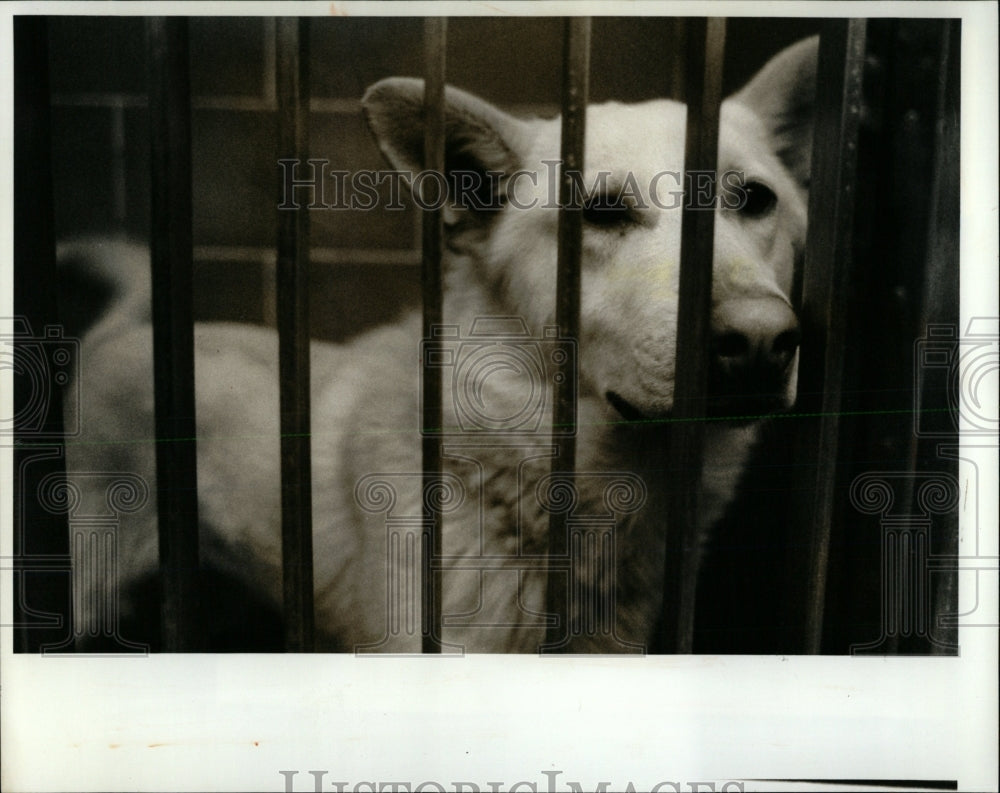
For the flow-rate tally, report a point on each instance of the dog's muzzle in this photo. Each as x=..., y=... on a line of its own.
x=753, y=348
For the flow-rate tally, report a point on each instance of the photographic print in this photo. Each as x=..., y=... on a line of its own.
x=382, y=377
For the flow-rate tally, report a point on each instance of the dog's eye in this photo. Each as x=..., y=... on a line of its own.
x=760, y=199
x=607, y=211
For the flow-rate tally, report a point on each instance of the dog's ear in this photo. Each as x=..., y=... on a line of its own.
x=479, y=138
x=783, y=95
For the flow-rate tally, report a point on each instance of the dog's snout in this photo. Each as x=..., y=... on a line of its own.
x=754, y=334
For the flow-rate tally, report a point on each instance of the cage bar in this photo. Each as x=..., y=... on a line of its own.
x=820, y=295
x=40, y=538
x=705, y=48
x=576, y=74
x=292, y=298
x=942, y=258
x=173, y=330
x=435, y=42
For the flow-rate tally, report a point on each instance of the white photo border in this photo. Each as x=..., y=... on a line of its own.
x=214, y=722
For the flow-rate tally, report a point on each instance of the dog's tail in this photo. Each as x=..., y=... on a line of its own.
x=104, y=284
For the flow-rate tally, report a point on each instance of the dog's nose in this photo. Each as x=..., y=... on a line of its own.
x=754, y=334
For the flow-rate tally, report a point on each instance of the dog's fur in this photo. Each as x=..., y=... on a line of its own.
x=365, y=393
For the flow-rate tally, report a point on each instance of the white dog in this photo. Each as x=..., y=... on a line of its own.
x=500, y=265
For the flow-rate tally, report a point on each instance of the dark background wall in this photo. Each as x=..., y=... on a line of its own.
x=363, y=269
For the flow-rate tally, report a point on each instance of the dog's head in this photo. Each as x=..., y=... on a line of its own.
x=501, y=219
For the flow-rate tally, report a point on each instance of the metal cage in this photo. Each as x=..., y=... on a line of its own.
x=833, y=326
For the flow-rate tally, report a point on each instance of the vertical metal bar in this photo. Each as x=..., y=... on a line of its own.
x=173, y=331
x=705, y=47
x=941, y=305
x=677, y=58
x=576, y=89
x=823, y=309
x=40, y=538
x=432, y=242
x=292, y=276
